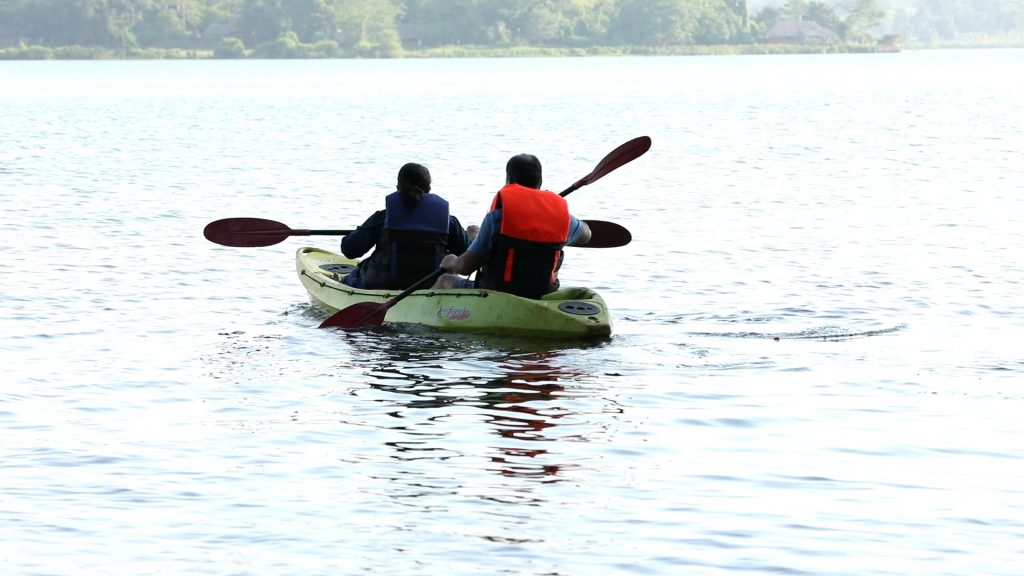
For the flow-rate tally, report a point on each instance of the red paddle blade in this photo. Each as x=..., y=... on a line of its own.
x=624, y=154
x=362, y=315
x=606, y=235
x=246, y=232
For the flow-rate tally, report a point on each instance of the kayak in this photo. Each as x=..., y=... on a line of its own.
x=569, y=312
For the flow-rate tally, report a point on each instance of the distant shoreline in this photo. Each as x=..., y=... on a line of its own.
x=100, y=53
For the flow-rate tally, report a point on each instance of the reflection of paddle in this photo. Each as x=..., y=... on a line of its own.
x=249, y=232
x=367, y=314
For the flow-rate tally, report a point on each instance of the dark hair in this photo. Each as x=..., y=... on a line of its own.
x=525, y=170
x=413, y=182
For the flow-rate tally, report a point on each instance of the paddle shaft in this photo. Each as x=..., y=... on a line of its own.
x=419, y=284
x=606, y=234
x=618, y=235
x=371, y=314
x=304, y=232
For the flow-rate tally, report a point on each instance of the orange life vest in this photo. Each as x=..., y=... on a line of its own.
x=528, y=252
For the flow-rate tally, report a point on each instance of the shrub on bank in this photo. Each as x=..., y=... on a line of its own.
x=26, y=53
x=98, y=53
x=325, y=49
x=288, y=46
x=229, y=48
x=82, y=53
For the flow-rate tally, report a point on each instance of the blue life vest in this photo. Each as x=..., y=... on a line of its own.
x=410, y=245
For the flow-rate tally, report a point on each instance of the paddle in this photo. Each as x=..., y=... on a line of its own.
x=371, y=313
x=251, y=232
x=603, y=235
x=624, y=154
x=367, y=314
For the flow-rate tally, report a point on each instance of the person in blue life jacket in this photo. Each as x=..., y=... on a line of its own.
x=518, y=247
x=409, y=237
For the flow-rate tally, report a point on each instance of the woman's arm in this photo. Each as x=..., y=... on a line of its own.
x=363, y=238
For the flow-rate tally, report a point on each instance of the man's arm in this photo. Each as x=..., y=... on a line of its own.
x=579, y=232
x=465, y=264
x=474, y=256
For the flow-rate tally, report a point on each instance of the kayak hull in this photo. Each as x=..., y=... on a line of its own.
x=569, y=312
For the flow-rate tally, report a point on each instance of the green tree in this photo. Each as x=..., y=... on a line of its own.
x=722, y=22
x=15, y=22
x=68, y=22
x=310, y=19
x=794, y=9
x=535, y=21
x=590, y=20
x=822, y=13
x=764, y=20
x=864, y=15
x=217, y=11
x=368, y=26
x=946, y=19
x=262, y=21
x=656, y=22
x=165, y=23
x=322, y=28
x=451, y=22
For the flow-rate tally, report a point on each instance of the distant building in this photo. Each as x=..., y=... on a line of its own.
x=798, y=31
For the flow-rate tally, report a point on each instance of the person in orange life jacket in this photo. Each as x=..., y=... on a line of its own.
x=409, y=237
x=518, y=247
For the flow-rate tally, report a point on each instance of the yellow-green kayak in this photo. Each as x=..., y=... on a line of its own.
x=566, y=313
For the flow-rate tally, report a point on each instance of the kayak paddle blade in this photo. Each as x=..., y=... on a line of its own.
x=246, y=232
x=362, y=315
x=606, y=235
x=615, y=159
x=366, y=314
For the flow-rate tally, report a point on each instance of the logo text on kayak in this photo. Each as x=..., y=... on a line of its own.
x=453, y=313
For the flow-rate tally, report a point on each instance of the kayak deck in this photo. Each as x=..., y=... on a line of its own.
x=568, y=312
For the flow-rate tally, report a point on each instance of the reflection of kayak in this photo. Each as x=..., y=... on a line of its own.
x=568, y=312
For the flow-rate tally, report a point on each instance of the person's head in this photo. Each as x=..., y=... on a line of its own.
x=525, y=170
x=413, y=182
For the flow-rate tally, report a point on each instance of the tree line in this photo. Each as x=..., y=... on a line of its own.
x=387, y=28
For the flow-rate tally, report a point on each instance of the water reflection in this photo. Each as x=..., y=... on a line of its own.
x=522, y=390
x=524, y=404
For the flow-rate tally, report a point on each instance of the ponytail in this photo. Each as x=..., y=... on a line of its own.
x=413, y=183
x=411, y=196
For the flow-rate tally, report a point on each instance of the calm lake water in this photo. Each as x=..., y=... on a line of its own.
x=815, y=369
